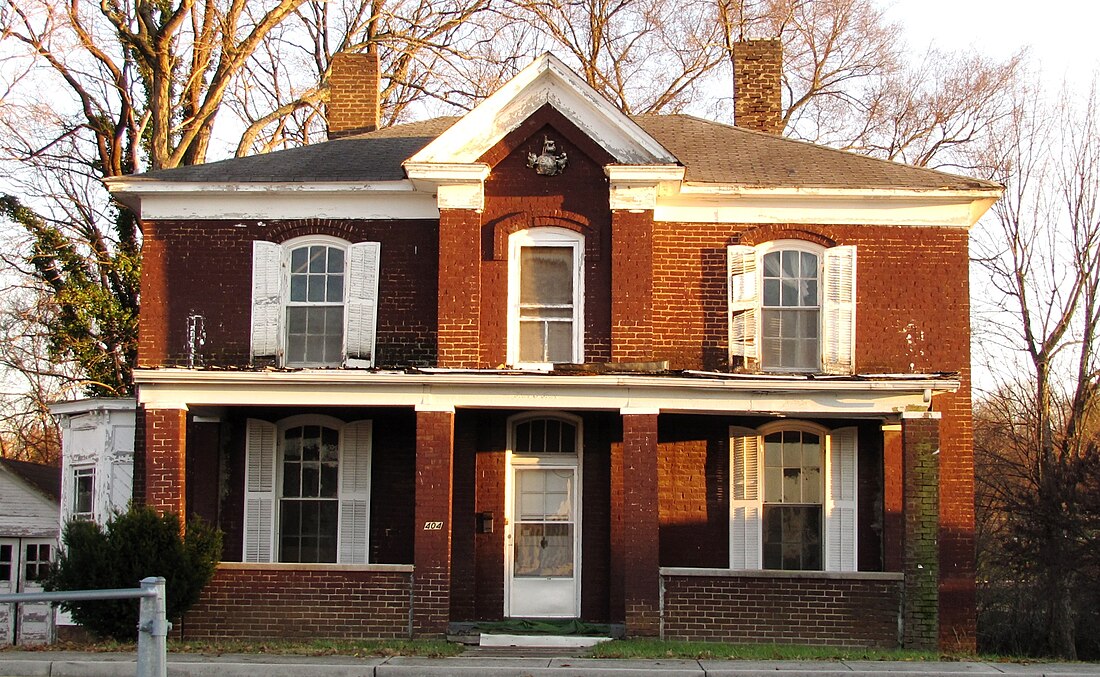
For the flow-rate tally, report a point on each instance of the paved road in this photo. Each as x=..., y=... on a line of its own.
x=75, y=664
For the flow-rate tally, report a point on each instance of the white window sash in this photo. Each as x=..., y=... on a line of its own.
x=544, y=237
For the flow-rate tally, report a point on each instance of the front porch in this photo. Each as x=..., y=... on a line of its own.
x=656, y=542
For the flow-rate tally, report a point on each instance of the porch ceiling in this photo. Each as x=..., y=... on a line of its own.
x=437, y=390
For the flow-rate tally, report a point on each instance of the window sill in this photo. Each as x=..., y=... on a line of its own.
x=768, y=573
x=289, y=566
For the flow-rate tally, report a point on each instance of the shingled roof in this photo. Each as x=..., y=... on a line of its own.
x=45, y=478
x=710, y=152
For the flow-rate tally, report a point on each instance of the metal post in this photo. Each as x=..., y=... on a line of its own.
x=153, y=626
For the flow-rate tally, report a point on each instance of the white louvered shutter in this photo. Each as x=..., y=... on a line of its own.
x=744, y=300
x=266, y=298
x=259, y=484
x=362, y=304
x=839, y=307
x=746, y=499
x=355, y=493
x=840, y=502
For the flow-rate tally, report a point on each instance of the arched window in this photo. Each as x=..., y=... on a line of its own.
x=793, y=497
x=307, y=486
x=315, y=302
x=545, y=297
x=792, y=307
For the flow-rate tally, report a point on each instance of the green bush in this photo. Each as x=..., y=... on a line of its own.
x=134, y=545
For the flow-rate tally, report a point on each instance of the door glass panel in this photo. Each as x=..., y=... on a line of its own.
x=544, y=528
x=544, y=550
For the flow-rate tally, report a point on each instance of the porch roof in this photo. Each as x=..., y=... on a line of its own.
x=876, y=395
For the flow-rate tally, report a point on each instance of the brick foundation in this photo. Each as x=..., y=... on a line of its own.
x=295, y=602
x=831, y=609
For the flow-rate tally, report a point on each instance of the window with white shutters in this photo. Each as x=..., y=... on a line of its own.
x=793, y=497
x=791, y=307
x=315, y=302
x=307, y=491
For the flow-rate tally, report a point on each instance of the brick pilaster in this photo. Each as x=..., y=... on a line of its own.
x=893, y=499
x=639, y=565
x=632, y=285
x=459, y=288
x=920, y=452
x=432, y=541
x=166, y=460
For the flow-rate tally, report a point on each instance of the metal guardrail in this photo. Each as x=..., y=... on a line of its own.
x=153, y=625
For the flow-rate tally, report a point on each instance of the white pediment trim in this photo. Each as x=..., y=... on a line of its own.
x=547, y=80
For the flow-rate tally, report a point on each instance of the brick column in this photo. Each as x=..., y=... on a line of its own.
x=435, y=431
x=459, y=288
x=166, y=459
x=632, y=285
x=892, y=498
x=634, y=514
x=920, y=433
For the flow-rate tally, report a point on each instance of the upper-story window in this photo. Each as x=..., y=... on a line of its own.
x=314, y=302
x=792, y=307
x=307, y=484
x=793, y=497
x=545, y=297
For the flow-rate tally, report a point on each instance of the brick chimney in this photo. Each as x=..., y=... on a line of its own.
x=353, y=94
x=758, y=85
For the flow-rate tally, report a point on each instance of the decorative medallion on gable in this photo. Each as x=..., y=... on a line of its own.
x=550, y=162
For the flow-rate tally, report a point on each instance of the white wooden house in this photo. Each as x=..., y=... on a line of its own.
x=29, y=496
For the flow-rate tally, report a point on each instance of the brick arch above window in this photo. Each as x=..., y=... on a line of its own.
x=576, y=223
x=761, y=234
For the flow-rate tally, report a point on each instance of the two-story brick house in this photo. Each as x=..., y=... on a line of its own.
x=546, y=360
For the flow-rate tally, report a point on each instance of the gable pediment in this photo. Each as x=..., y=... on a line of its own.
x=546, y=81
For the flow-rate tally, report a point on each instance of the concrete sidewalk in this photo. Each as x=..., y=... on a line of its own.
x=77, y=664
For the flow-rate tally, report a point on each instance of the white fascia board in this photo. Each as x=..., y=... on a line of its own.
x=398, y=200
x=509, y=391
x=697, y=203
x=88, y=405
x=456, y=186
x=545, y=80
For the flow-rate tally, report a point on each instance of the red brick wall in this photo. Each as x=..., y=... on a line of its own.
x=435, y=431
x=632, y=268
x=209, y=273
x=833, y=611
x=641, y=594
x=165, y=474
x=263, y=603
x=517, y=198
x=459, y=302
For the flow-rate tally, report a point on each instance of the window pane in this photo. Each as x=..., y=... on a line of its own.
x=335, y=260
x=316, y=293
x=560, y=342
x=792, y=537
x=773, y=484
x=298, y=259
x=809, y=265
x=318, y=256
x=544, y=550
x=771, y=292
x=546, y=275
x=809, y=293
x=298, y=288
x=790, y=264
x=790, y=295
x=771, y=264
x=531, y=342
x=792, y=485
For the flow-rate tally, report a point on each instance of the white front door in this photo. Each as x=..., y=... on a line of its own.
x=543, y=539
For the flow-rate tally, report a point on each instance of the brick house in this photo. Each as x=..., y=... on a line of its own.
x=546, y=360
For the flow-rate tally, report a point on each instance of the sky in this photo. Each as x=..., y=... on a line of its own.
x=1061, y=34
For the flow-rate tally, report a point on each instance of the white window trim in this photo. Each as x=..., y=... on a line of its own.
x=547, y=236
x=271, y=298
x=836, y=304
x=77, y=472
x=840, y=535
x=261, y=523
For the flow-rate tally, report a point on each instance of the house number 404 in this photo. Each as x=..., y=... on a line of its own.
x=433, y=526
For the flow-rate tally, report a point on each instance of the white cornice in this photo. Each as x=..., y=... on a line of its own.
x=724, y=203
x=152, y=199
x=436, y=391
x=638, y=187
x=77, y=407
